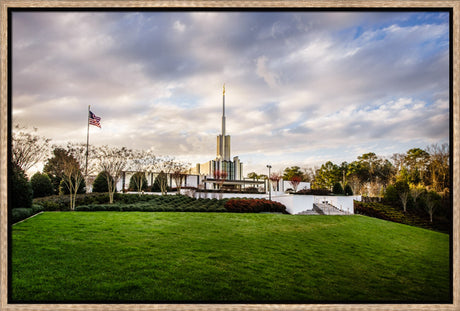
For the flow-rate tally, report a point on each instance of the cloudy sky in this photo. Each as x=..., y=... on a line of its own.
x=302, y=88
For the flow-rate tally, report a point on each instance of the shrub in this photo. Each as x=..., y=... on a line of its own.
x=314, y=192
x=21, y=189
x=83, y=208
x=251, y=190
x=391, y=194
x=254, y=206
x=113, y=208
x=18, y=214
x=161, y=178
x=135, y=181
x=61, y=202
x=64, y=189
x=337, y=189
x=347, y=190
x=41, y=185
x=100, y=183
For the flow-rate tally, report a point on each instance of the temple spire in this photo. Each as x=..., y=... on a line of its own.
x=223, y=112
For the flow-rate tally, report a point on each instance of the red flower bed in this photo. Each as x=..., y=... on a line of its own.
x=254, y=206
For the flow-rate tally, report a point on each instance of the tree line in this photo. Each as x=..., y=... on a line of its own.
x=371, y=174
x=417, y=174
x=419, y=178
x=67, y=168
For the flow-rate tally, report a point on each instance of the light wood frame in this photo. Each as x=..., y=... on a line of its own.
x=455, y=127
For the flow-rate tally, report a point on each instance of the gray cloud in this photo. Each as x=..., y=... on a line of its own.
x=299, y=82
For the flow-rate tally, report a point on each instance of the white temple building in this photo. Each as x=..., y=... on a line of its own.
x=223, y=167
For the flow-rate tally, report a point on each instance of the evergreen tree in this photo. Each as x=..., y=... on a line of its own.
x=391, y=194
x=159, y=181
x=100, y=183
x=64, y=189
x=21, y=189
x=136, y=180
x=41, y=185
x=347, y=190
x=337, y=189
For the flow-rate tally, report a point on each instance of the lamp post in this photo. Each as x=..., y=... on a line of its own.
x=268, y=183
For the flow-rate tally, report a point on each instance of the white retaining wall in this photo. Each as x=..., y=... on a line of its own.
x=295, y=204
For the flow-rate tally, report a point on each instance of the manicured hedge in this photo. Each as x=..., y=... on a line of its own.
x=160, y=203
x=18, y=214
x=314, y=192
x=155, y=203
x=243, y=205
x=62, y=202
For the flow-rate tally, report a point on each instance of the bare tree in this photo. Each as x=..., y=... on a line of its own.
x=275, y=178
x=179, y=172
x=432, y=202
x=165, y=165
x=142, y=161
x=73, y=166
x=28, y=148
x=404, y=196
x=113, y=160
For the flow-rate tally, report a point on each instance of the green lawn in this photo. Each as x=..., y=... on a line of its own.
x=225, y=257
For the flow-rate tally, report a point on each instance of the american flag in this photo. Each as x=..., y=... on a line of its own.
x=94, y=120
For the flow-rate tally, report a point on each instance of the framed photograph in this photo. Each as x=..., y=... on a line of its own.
x=229, y=155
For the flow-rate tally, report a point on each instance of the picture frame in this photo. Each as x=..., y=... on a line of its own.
x=5, y=98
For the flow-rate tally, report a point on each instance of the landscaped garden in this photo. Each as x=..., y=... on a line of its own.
x=225, y=257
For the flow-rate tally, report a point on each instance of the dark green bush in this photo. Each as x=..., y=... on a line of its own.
x=100, y=183
x=41, y=185
x=136, y=180
x=64, y=189
x=391, y=194
x=161, y=178
x=18, y=214
x=337, y=189
x=84, y=208
x=113, y=208
x=21, y=189
x=243, y=205
x=347, y=190
x=314, y=192
x=37, y=208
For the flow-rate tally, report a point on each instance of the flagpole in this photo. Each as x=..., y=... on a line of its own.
x=87, y=144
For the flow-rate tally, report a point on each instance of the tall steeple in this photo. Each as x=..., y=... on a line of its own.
x=223, y=140
x=223, y=112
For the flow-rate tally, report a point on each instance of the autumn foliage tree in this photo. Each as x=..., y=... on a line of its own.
x=295, y=182
x=275, y=177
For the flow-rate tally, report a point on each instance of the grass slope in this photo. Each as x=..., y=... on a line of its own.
x=225, y=257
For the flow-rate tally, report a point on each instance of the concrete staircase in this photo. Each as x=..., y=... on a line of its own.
x=327, y=209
